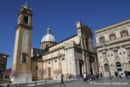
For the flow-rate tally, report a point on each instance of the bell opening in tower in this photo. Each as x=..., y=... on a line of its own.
x=25, y=19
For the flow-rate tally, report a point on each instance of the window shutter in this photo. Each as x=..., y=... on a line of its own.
x=99, y=40
x=127, y=32
x=110, y=37
x=115, y=36
x=121, y=33
x=104, y=39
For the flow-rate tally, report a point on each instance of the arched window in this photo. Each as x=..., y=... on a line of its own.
x=47, y=46
x=106, y=67
x=55, y=60
x=25, y=20
x=24, y=58
x=63, y=59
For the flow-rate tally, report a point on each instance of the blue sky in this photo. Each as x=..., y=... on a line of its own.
x=60, y=16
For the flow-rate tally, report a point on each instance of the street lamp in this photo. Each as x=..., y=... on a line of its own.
x=35, y=74
x=60, y=56
x=104, y=46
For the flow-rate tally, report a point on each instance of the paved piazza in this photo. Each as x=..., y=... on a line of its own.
x=100, y=83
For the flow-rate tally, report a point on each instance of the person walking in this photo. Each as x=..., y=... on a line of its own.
x=62, y=81
x=84, y=78
x=116, y=74
x=126, y=74
x=129, y=74
x=8, y=85
x=101, y=75
x=97, y=76
x=120, y=73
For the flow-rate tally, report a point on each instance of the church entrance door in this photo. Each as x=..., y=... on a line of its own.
x=49, y=73
x=80, y=69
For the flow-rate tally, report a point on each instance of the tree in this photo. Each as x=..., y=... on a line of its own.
x=57, y=72
x=42, y=72
x=10, y=73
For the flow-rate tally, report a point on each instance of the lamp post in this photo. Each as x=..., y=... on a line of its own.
x=35, y=75
x=60, y=56
x=104, y=46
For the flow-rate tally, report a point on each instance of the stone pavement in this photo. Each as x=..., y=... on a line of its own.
x=123, y=82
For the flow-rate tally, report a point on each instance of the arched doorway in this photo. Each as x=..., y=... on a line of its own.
x=118, y=65
x=80, y=69
x=91, y=71
x=106, y=67
x=49, y=73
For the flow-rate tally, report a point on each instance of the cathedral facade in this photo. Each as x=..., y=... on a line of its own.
x=73, y=56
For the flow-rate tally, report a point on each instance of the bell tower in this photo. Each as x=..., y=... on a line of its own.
x=22, y=46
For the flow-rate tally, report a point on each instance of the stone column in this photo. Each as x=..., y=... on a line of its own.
x=85, y=63
x=77, y=68
x=52, y=69
x=46, y=69
x=122, y=59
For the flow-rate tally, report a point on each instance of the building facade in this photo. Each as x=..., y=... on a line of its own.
x=113, y=48
x=3, y=63
x=73, y=56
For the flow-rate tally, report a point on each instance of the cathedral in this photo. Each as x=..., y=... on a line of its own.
x=73, y=56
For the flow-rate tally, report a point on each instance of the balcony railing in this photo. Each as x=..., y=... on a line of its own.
x=117, y=40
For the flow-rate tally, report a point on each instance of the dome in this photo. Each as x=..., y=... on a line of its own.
x=48, y=37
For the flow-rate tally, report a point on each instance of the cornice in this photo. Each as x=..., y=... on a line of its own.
x=113, y=26
x=53, y=50
x=22, y=25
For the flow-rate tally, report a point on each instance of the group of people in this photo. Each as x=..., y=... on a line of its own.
x=120, y=73
x=92, y=77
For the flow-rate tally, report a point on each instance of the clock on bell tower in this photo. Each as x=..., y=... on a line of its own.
x=22, y=46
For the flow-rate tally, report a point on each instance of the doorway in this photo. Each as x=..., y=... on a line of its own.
x=80, y=69
x=91, y=70
x=49, y=73
x=118, y=65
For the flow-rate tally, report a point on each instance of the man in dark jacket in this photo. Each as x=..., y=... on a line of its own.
x=62, y=81
x=129, y=74
x=116, y=74
x=97, y=76
x=126, y=74
x=101, y=75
